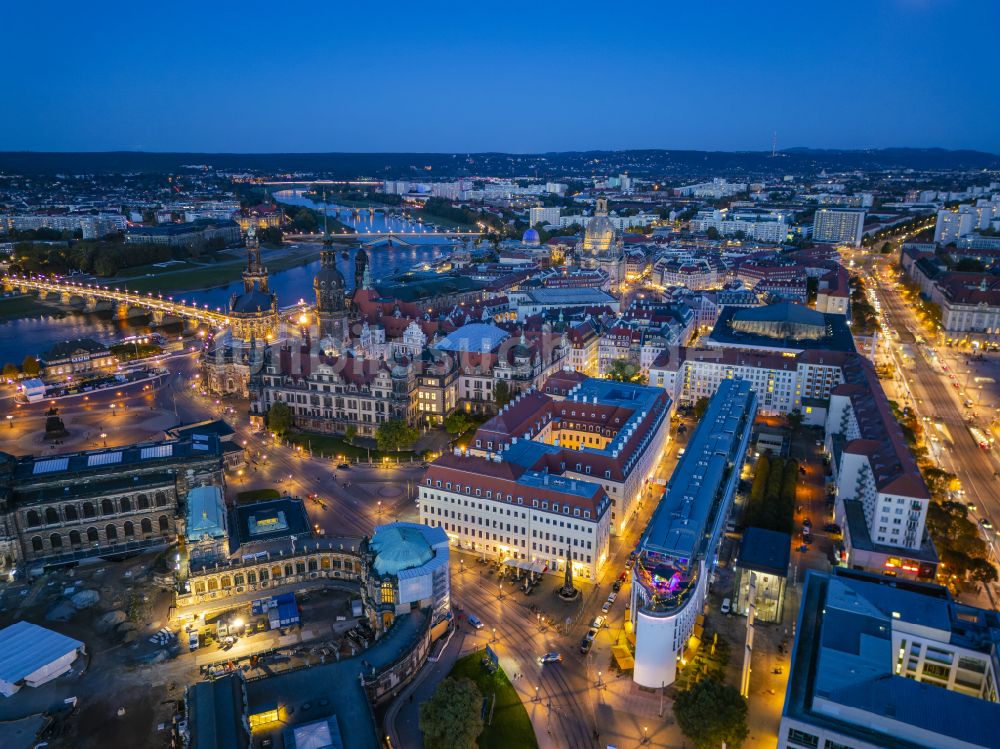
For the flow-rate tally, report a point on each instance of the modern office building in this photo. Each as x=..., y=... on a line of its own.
x=677, y=551
x=839, y=226
x=880, y=662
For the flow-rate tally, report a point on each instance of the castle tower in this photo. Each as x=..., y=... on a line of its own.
x=328, y=284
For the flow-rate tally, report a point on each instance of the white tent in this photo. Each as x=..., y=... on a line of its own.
x=32, y=655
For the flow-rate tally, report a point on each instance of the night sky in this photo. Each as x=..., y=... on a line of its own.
x=499, y=76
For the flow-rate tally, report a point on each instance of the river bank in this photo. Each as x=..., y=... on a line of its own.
x=25, y=306
x=209, y=276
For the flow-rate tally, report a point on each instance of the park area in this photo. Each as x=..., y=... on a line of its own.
x=476, y=706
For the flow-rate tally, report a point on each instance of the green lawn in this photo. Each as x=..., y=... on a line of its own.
x=25, y=306
x=511, y=725
x=445, y=223
x=207, y=276
x=256, y=495
x=331, y=445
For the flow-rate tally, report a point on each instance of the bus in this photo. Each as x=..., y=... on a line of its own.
x=980, y=438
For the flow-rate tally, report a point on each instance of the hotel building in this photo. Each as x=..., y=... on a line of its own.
x=526, y=518
x=584, y=429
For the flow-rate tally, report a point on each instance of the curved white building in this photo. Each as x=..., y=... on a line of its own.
x=677, y=551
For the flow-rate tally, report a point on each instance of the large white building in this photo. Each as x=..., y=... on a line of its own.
x=766, y=226
x=839, y=226
x=677, y=551
x=525, y=518
x=783, y=383
x=539, y=215
x=953, y=225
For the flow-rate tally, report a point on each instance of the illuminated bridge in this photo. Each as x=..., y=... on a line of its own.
x=92, y=297
x=378, y=238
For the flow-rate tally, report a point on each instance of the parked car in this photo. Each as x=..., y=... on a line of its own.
x=606, y=607
x=585, y=646
x=550, y=658
x=832, y=528
x=475, y=622
x=617, y=586
x=726, y=606
x=343, y=466
x=598, y=622
x=612, y=596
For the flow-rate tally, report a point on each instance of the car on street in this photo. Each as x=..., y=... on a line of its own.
x=986, y=523
x=598, y=622
x=550, y=658
x=606, y=607
x=475, y=622
x=343, y=466
x=585, y=646
x=726, y=606
x=617, y=586
x=612, y=596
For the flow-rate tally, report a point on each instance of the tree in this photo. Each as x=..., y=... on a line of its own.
x=10, y=371
x=712, y=233
x=886, y=248
x=501, y=393
x=30, y=366
x=457, y=422
x=700, y=407
x=795, y=420
x=624, y=370
x=710, y=713
x=280, y=418
x=394, y=435
x=350, y=433
x=452, y=717
x=982, y=571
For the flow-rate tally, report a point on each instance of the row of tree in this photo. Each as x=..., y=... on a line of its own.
x=771, y=503
x=100, y=257
x=30, y=367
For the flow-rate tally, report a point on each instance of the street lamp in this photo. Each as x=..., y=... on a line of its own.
x=112, y=409
x=10, y=421
x=501, y=591
x=494, y=635
x=104, y=437
x=645, y=735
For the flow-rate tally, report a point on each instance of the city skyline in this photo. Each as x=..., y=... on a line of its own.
x=556, y=78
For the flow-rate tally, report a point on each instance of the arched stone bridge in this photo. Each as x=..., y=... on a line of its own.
x=92, y=296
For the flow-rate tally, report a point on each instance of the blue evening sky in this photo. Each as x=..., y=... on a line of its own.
x=505, y=76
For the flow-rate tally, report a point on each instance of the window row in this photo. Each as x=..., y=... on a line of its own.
x=70, y=513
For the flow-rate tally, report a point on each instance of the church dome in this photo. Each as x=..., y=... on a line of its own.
x=530, y=237
x=599, y=235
